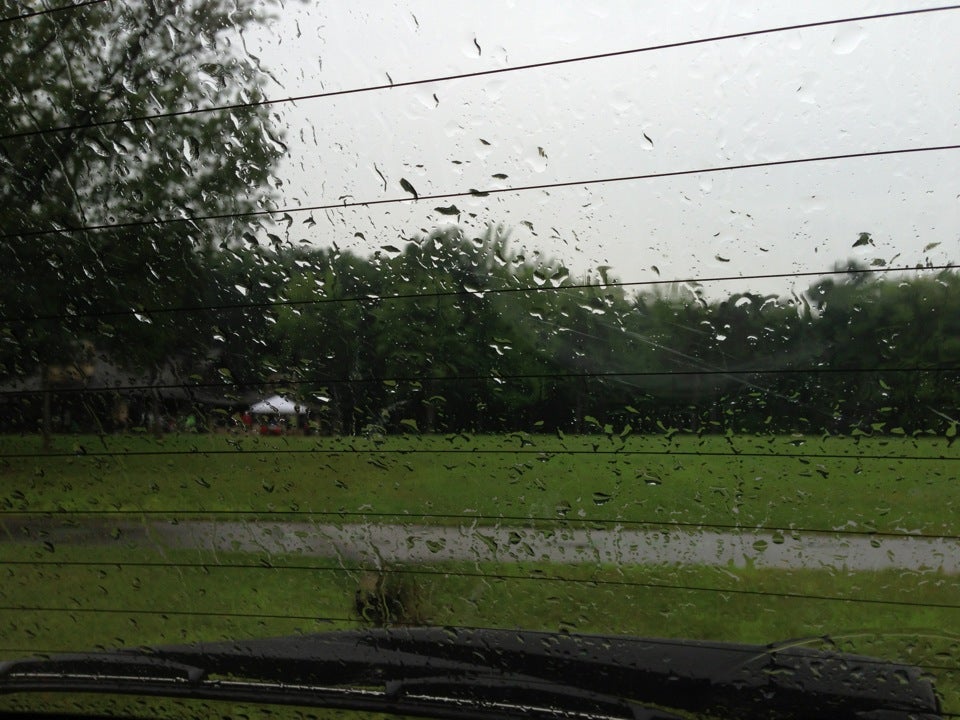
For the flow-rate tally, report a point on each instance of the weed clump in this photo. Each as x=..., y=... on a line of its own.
x=389, y=598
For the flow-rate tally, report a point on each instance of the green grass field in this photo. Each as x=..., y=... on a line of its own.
x=883, y=484
x=110, y=595
x=94, y=597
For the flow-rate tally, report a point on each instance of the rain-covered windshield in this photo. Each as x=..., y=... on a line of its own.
x=599, y=317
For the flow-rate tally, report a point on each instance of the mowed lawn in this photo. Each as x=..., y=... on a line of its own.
x=891, y=484
x=107, y=596
x=62, y=596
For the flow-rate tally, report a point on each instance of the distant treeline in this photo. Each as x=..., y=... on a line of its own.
x=480, y=339
x=453, y=334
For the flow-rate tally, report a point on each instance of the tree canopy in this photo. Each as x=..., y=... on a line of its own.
x=454, y=333
x=64, y=75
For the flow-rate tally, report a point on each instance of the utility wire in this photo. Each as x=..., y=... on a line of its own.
x=37, y=13
x=159, y=222
x=327, y=381
x=535, y=452
x=170, y=611
x=480, y=292
x=480, y=73
x=592, y=581
x=19, y=520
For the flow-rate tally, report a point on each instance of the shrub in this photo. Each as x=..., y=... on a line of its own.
x=390, y=597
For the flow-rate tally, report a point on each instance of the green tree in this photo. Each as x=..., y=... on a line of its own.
x=425, y=336
x=471, y=338
x=897, y=337
x=108, y=62
x=324, y=337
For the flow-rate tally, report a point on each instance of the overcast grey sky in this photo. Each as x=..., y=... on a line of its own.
x=872, y=85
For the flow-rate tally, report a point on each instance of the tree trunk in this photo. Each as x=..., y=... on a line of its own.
x=350, y=412
x=46, y=419
x=429, y=409
x=155, y=411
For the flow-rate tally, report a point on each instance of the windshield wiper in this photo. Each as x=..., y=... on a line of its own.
x=478, y=673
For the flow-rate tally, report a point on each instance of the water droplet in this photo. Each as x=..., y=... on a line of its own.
x=601, y=498
x=847, y=39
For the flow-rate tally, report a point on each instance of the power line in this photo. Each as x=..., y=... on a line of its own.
x=592, y=581
x=36, y=13
x=159, y=222
x=373, y=297
x=171, y=611
x=327, y=381
x=475, y=74
x=354, y=517
x=536, y=452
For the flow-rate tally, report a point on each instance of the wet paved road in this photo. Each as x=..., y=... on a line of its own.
x=389, y=543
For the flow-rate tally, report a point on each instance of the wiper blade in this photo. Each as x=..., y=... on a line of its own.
x=439, y=672
x=349, y=671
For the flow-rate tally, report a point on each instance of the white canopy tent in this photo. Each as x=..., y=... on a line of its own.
x=277, y=405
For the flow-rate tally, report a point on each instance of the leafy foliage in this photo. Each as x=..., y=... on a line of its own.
x=461, y=334
x=99, y=64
